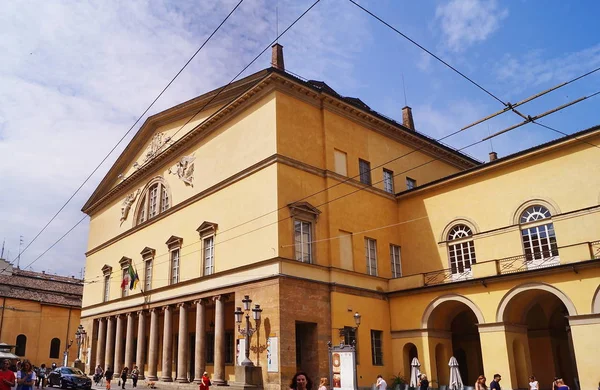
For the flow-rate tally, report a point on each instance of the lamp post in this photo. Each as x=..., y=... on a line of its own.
x=79, y=337
x=248, y=331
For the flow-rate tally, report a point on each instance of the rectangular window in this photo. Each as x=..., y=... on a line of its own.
x=371, y=256
x=164, y=203
x=175, y=266
x=209, y=255
x=153, y=201
x=364, y=167
x=148, y=275
x=303, y=241
x=376, y=347
x=462, y=255
x=106, y=288
x=395, y=260
x=125, y=291
x=210, y=348
x=349, y=335
x=539, y=242
x=388, y=181
x=410, y=183
x=346, y=255
x=229, y=348
x=340, y=162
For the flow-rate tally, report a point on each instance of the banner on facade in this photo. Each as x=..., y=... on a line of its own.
x=342, y=367
x=272, y=354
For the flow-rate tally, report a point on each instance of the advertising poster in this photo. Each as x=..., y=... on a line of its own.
x=343, y=370
x=272, y=354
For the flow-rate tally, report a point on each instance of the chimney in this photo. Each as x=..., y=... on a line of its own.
x=407, y=118
x=493, y=156
x=277, y=57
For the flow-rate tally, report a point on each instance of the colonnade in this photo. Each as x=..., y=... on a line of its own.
x=112, y=346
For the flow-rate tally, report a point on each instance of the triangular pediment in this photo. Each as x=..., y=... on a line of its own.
x=174, y=241
x=151, y=139
x=125, y=262
x=304, y=208
x=207, y=228
x=148, y=252
x=107, y=269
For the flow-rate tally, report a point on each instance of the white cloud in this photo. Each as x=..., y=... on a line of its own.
x=74, y=76
x=466, y=22
x=535, y=68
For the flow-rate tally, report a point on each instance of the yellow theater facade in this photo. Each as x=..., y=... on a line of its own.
x=283, y=190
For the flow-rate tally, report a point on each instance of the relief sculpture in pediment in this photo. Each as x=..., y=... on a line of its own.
x=184, y=169
x=158, y=143
x=127, y=203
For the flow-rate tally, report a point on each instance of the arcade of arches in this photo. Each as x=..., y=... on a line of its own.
x=532, y=334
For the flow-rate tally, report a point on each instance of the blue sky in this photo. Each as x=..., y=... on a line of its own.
x=74, y=77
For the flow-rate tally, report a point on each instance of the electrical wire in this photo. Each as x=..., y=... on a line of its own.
x=428, y=52
x=130, y=129
x=563, y=133
x=244, y=69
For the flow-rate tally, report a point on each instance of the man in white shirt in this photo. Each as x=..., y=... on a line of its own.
x=381, y=383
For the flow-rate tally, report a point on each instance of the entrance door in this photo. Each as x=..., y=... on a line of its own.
x=306, y=348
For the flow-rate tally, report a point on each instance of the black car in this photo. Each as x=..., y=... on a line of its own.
x=69, y=377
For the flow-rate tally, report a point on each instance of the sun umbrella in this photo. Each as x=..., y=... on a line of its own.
x=414, y=372
x=456, y=382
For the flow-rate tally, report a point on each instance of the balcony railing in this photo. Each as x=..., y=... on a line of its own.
x=446, y=276
x=522, y=263
x=595, y=249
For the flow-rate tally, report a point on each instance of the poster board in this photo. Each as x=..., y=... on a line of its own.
x=272, y=354
x=342, y=367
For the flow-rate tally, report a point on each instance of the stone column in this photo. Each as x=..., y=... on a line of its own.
x=140, y=355
x=100, y=343
x=129, y=341
x=200, y=353
x=182, y=344
x=119, y=345
x=219, y=370
x=167, y=354
x=153, y=347
x=110, y=343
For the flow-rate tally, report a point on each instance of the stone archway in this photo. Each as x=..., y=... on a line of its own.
x=409, y=351
x=453, y=321
x=543, y=344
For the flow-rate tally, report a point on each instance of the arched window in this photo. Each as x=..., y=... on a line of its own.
x=537, y=233
x=155, y=199
x=21, y=344
x=54, y=348
x=461, y=250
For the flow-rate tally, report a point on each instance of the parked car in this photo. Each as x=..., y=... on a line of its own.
x=69, y=377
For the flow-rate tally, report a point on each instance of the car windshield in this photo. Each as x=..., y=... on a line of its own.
x=72, y=371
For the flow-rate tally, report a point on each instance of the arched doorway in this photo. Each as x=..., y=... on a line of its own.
x=458, y=317
x=409, y=352
x=547, y=346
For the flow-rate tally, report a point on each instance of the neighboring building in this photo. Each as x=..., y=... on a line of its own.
x=256, y=196
x=40, y=314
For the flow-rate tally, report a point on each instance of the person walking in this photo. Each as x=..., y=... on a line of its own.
x=323, y=384
x=108, y=375
x=381, y=384
x=560, y=384
x=26, y=376
x=7, y=377
x=42, y=376
x=124, y=376
x=423, y=383
x=301, y=381
x=533, y=383
x=134, y=375
x=495, y=385
x=480, y=383
x=205, y=382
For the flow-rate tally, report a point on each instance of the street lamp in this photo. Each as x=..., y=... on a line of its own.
x=79, y=336
x=248, y=331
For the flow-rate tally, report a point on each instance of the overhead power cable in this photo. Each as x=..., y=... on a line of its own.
x=563, y=133
x=220, y=90
x=533, y=97
x=429, y=52
x=131, y=128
